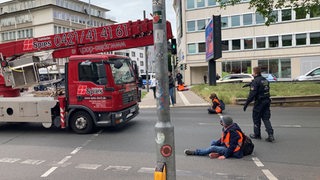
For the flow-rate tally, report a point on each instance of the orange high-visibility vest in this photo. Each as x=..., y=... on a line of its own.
x=226, y=140
x=218, y=108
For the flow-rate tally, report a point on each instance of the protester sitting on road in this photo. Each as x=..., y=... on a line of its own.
x=229, y=145
x=215, y=104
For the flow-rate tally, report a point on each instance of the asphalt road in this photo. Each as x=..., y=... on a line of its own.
x=30, y=152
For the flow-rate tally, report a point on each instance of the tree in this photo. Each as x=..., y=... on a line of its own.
x=266, y=7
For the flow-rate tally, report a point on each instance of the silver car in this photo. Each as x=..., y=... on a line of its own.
x=236, y=78
x=313, y=75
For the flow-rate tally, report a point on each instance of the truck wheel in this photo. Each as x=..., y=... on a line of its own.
x=81, y=122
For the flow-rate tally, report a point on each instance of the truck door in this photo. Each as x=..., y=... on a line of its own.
x=91, y=86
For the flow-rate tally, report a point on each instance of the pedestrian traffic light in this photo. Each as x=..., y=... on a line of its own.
x=185, y=66
x=173, y=46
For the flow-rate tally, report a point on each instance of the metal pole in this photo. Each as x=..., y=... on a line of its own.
x=173, y=57
x=146, y=56
x=164, y=130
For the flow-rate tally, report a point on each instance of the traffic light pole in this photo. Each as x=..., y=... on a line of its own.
x=164, y=131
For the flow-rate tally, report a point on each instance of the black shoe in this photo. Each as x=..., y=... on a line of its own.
x=188, y=152
x=270, y=138
x=253, y=136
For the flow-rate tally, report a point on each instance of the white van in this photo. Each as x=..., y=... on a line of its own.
x=313, y=75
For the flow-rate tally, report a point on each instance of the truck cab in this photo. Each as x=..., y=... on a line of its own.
x=101, y=90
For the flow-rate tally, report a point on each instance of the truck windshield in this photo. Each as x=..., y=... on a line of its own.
x=125, y=73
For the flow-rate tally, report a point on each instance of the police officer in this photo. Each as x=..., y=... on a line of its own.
x=259, y=92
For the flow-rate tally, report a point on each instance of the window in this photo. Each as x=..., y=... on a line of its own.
x=89, y=71
x=133, y=54
x=315, y=11
x=301, y=39
x=286, y=15
x=261, y=42
x=225, y=45
x=212, y=2
x=300, y=13
x=141, y=63
x=141, y=55
x=191, y=26
x=286, y=40
x=224, y=22
x=123, y=74
x=247, y=19
x=315, y=38
x=200, y=3
x=259, y=19
x=281, y=68
x=236, y=44
x=201, y=24
x=235, y=20
x=202, y=47
x=248, y=43
x=273, y=41
x=274, y=15
x=192, y=48
x=190, y=4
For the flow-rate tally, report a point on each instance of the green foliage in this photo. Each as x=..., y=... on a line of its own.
x=230, y=91
x=265, y=7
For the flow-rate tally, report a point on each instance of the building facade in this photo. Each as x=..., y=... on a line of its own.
x=287, y=48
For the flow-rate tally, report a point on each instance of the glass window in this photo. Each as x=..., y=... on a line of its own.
x=286, y=40
x=236, y=44
x=247, y=19
x=273, y=41
x=315, y=11
x=202, y=47
x=259, y=19
x=286, y=15
x=225, y=45
x=141, y=55
x=212, y=2
x=246, y=67
x=235, y=20
x=300, y=13
x=88, y=71
x=261, y=42
x=200, y=3
x=133, y=54
x=201, y=24
x=263, y=64
x=285, y=68
x=301, y=39
x=224, y=22
x=192, y=48
x=124, y=74
x=191, y=25
x=248, y=43
x=274, y=15
x=190, y=4
x=315, y=38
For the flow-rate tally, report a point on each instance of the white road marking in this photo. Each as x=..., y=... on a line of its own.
x=65, y=159
x=9, y=160
x=146, y=170
x=76, y=150
x=46, y=174
x=257, y=162
x=32, y=161
x=291, y=126
x=184, y=99
x=269, y=175
x=88, y=166
x=118, y=168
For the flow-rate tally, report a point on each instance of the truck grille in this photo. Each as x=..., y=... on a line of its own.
x=130, y=96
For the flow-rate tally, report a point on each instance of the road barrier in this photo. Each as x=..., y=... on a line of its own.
x=286, y=99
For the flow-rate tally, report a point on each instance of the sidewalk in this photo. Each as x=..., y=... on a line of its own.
x=183, y=99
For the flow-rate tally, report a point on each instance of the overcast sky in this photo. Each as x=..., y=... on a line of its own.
x=125, y=10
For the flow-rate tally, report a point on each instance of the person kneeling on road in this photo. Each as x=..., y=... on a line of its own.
x=215, y=104
x=229, y=145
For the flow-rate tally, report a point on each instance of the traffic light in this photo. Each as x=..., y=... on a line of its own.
x=185, y=66
x=173, y=46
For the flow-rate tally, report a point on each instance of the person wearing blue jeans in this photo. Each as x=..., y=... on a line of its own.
x=229, y=145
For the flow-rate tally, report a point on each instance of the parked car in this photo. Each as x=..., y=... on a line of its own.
x=236, y=78
x=270, y=77
x=312, y=75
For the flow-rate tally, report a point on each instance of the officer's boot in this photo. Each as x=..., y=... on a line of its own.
x=270, y=138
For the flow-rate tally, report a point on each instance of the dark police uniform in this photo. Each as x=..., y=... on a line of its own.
x=259, y=92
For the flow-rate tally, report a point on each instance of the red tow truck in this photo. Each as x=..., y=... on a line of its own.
x=100, y=89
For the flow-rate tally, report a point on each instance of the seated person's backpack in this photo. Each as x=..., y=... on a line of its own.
x=222, y=105
x=247, y=146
